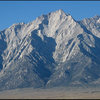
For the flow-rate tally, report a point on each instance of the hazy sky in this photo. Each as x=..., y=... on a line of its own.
x=25, y=11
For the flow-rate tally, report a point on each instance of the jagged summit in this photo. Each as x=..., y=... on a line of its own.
x=53, y=50
x=60, y=11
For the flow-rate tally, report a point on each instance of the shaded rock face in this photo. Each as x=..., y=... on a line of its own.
x=3, y=46
x=53, y=50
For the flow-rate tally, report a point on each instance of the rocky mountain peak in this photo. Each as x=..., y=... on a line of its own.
x=53, y=50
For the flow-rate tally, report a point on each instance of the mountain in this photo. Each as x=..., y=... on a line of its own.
x=53, y=50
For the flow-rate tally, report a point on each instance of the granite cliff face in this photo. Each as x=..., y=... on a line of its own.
x=53, y=50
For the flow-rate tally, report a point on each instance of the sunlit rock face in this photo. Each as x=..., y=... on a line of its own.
x=53, y=50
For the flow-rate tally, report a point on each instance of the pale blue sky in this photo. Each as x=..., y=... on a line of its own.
x=25, y=11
